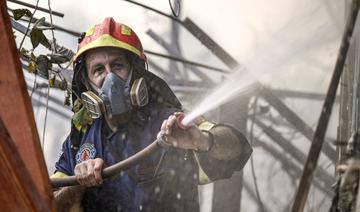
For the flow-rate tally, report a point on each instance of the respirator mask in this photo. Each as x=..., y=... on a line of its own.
x=116, y=96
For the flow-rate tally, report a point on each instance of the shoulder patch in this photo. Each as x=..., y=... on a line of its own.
x=87, y=151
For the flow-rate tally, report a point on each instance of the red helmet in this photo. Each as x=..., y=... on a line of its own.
x=110, y=34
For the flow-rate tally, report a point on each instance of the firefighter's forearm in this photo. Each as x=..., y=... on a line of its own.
x=68, y=198
x=226, y=144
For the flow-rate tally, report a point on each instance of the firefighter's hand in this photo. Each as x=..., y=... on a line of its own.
x=191, y=138
x=88, y=173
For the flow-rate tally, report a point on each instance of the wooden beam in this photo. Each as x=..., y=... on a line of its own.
x=298, y=155
x=296, y=121
x=17, y=115
x=20, y=194
x=292, y=168
x=210, y=43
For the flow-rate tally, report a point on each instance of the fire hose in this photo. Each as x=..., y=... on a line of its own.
x=125, y=164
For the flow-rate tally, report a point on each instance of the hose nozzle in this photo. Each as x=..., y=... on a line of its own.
x=180, y=124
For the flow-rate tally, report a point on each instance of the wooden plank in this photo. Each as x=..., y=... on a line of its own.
x=20, y=190
x=16, y=112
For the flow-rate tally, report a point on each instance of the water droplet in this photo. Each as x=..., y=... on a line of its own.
x=178, y=196
x=123, y=136
x=157, y=189
x=172, y=172
x=140, y=207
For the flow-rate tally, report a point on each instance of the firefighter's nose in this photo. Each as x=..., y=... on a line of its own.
x=107, y=69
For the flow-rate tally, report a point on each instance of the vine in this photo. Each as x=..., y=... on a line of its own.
x=43, y=64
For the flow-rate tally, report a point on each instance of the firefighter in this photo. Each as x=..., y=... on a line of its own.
x=130, y=107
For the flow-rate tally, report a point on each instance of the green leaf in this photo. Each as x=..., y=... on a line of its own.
x=43, y=64
x=67, y=101
x=19, y=13
x=77, y=105
x=52, y=81
x=67, y=98
x=24, y=53
x=82, y=120
x=37, y=36
x=39, y=22
x=58, y=58
x=63, y=85
x=32, y=56
x=32, y=66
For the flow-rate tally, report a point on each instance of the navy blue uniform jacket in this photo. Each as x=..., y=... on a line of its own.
x=172, y=188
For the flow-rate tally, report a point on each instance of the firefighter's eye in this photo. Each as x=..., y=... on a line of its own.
x=98, y=70
x=117, y=66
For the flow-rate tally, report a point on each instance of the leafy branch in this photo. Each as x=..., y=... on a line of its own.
x=28, y=27
x=43, y=64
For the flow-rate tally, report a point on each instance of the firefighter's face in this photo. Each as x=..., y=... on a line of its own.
x=101, y=61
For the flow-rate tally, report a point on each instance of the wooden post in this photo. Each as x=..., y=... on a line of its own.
x=348, y=79
x=17, y=115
